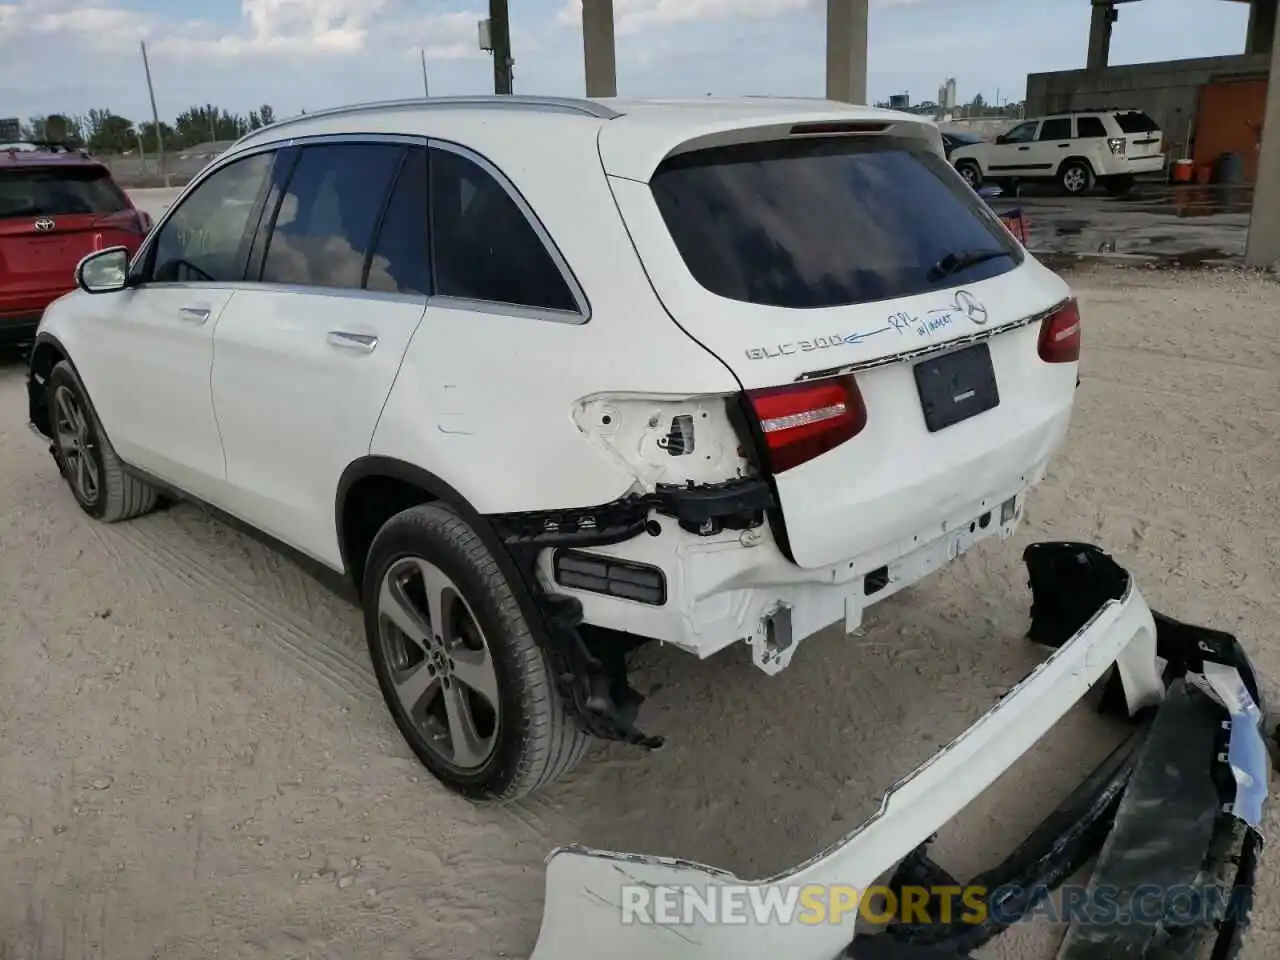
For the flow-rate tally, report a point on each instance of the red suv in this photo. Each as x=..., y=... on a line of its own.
x=55, y=207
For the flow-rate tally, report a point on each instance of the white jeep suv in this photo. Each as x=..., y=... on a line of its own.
x=544, y=378
x=1107, y=147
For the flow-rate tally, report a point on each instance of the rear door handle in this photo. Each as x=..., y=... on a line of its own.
x=1024, y=148
x=194, y=314
x=359, y=342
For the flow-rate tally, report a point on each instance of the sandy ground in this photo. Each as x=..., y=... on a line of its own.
x=198, y=762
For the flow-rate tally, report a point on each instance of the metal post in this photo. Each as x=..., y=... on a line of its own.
x=1100, y=21
x=500, y=37
x=426, y=89
x=155, y=116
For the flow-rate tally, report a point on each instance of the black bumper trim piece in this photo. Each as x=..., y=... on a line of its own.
x=1163, y=813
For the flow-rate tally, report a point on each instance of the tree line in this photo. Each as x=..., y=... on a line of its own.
x=102, y=131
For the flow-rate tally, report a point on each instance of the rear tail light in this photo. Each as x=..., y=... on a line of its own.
x=1060, y=335
x=1116, y=145
x=805, y=420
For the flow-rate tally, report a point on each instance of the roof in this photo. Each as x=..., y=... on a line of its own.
x=13, y=155
x=634, y=135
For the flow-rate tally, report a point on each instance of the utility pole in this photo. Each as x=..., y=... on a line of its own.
x=500, y=38
x=426, y=89
x=155, y=116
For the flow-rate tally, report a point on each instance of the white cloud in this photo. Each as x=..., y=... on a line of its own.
x=634, y=16
x=265, y=28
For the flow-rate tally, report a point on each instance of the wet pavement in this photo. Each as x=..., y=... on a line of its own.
x=1177, y=223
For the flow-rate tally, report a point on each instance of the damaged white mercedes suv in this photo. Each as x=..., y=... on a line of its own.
x=548, y=378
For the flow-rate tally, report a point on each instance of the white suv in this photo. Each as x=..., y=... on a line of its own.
x=547, y=378
x=1107, y=147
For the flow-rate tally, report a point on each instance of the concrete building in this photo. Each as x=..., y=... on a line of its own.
x=1206, y=107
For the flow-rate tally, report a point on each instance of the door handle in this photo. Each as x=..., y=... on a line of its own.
x=194, y=314
x=1024, y=148
x=1063, y=146
x=359, y=342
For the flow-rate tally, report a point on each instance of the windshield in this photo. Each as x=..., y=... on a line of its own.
x=58, y=191
x=824, y=222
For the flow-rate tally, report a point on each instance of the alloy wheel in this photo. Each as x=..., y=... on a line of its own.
x=439, y=662
x=1074, y=180
x=76, y=445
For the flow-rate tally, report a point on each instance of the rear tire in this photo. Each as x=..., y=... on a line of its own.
x=99, y=480
x=1075, y=177
x=466, y=682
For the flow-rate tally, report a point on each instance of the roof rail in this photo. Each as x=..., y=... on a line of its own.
x=581, y=107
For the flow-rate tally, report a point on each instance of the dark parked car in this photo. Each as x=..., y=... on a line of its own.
x=953, y=138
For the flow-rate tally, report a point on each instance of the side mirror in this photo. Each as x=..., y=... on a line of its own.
x=104, y=271
x=1002, y=139
x=990, y=192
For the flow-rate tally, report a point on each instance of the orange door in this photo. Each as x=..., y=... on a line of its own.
x=1229, y=120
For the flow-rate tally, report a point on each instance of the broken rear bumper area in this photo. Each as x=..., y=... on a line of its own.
x=1173, y=818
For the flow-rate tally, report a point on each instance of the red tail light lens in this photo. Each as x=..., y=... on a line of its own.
x=805, y=420
x=1060, y=335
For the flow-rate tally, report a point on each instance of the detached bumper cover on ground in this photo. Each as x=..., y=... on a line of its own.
x=1178, y=806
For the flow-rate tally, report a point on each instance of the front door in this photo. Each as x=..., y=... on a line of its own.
x=305, y=359
x=1011, y=153
x=149, y=373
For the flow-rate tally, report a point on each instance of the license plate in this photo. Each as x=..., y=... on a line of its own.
x=956, y=386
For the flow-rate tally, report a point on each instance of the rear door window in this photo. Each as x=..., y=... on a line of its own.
x=58, y=191
x=401, y=262
x=323, y=229
x=826, y=222
x=1135, y=121
x=1089, y=128
x=1059, y=128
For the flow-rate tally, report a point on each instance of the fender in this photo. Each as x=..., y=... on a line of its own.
x=37, y=409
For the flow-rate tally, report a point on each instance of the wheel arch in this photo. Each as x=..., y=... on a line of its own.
x=47, y=353
x=1077, y=158
x=373, y=489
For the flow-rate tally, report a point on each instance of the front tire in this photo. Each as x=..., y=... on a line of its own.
x=465, y=680
x=98, y=479
x=971, y=172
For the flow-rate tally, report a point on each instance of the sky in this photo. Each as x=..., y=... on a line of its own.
x=67, y=56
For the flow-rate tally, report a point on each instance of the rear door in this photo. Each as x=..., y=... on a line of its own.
x=1053, y=144
x=305, y=358
x=52, y=215
x=799, y=260
x=1143, y=137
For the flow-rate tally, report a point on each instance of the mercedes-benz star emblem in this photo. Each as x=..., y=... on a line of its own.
x=969, y=305
x=43, y=225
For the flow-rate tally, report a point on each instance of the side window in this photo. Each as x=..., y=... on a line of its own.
x=484, y=246
x=1022, y=133
x=1088, y=128
x=1058, y=128
x=324, y=226
x=401, y=262
x=203, y=241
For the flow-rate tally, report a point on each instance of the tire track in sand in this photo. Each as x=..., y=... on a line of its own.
x=314, y=648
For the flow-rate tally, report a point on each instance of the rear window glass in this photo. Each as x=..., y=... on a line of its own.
x=1135, y=121
x=825, y=222
x=58, y=191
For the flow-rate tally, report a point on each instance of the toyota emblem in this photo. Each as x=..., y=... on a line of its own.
x=971, y=307
x=44, y=225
